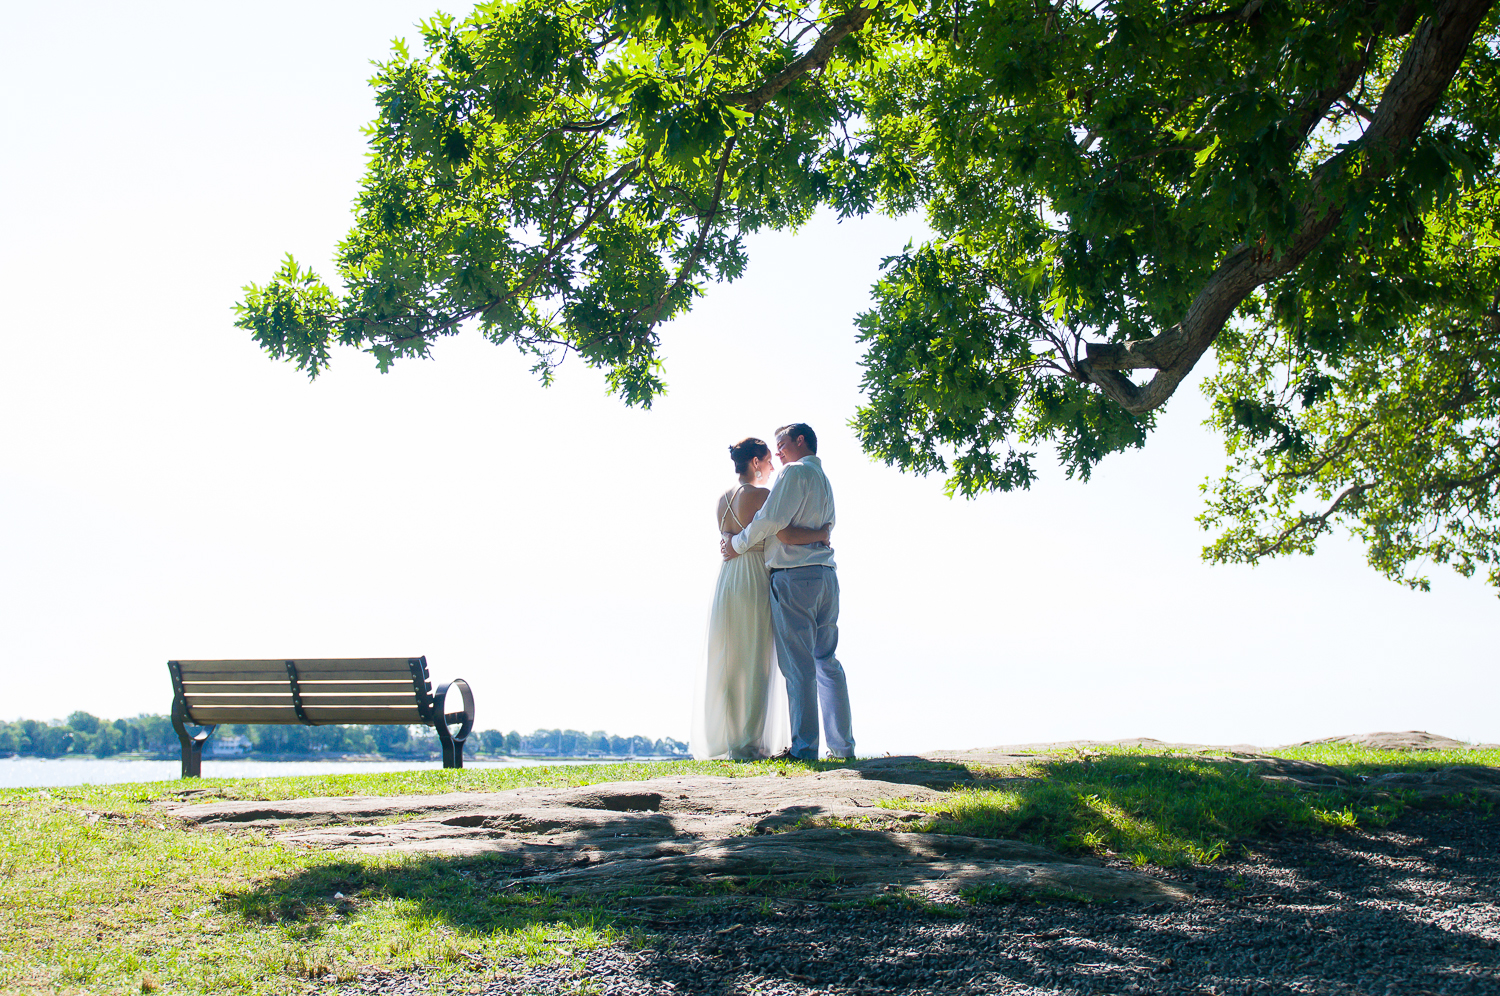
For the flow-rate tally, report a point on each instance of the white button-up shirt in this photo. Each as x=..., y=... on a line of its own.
x=803, y=497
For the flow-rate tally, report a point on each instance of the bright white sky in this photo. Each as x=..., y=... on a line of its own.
x=166, y=491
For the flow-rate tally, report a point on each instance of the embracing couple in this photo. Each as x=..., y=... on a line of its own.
x=776, y=606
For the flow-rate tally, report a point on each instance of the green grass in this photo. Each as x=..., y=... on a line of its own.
x=101, y=893
x=1172, y=810
x=1366, y=761
x=427, y=781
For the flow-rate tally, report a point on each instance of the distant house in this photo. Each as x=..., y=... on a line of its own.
x=229, y=745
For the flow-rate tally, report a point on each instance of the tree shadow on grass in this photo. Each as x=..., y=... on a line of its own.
x=1288, y=919
x=1326, y=914
x=908, y=770
x=473, y=895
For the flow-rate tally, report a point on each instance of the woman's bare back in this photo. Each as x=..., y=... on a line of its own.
x=738, y=507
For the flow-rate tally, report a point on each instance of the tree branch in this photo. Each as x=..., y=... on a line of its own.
x=840, y=28
x=1339, y=448
x=621, y=178
x=1435, y=54
x=703, y=226
x=742, y=25
x=1244, y=13
x=1318, y=524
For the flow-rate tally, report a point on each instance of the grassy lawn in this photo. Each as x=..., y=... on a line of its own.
x=100, y=893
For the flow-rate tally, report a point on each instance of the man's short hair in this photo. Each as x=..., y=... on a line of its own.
x=800, y=429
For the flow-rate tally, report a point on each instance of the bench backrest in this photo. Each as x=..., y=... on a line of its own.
x=378, y=690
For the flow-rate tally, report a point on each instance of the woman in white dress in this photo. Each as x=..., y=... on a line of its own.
x=741, y=710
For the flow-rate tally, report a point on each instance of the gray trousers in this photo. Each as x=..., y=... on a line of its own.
x=805, y=622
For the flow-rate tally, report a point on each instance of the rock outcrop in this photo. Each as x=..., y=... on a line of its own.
x=698, y=833
x=851, y=826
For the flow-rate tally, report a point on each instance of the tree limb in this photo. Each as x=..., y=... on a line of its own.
x=1318, y=524
x=816, y=58
x=1244, y=13
x=703, y=226
x=1435, y=54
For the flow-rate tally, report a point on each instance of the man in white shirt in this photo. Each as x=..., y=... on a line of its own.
x=804, y=595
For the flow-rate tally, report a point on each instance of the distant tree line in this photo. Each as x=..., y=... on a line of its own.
x=576, y=743
x=83, y=733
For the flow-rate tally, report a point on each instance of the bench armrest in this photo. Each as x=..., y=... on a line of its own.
x=453, y=743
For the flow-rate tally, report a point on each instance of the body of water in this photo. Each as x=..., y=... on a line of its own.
x=36, y=772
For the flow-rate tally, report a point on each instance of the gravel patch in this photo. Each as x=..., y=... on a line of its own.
x=1413, y=909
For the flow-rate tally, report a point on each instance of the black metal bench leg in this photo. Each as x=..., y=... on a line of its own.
x=192, y=744
x=192, y=758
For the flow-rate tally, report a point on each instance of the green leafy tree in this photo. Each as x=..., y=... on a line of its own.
x=105, y=742
x=1307, y=189
x=82, y=722
x=334, y=737
x=390, y=738
x=50, y=741
x=281, y=739
x=152, y=733
x=542, y=742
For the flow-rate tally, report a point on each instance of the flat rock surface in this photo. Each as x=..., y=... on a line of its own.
x=851, y=825
x=1407, y=740
x=696, y=832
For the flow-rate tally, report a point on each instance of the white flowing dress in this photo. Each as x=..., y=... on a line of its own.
x=741, y=709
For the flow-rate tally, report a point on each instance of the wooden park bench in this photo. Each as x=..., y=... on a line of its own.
x=364, y=690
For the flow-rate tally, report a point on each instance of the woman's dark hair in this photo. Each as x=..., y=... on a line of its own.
x=745, y=450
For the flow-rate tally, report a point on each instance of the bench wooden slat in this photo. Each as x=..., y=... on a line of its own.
x=207, y=711
x=258, y=676
x=255, y=672
x=304, y=677
x=373, y=714
x=324, y=701
x=309, y=702
x=199, y=687
x=397, y=665
x=284, y=714
x=369, y=684
x=266, y=696
x=352, y=674
x=191, y=688
x=281, y=714
x=213, y=667
x=337, y=665
x=195, y=699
